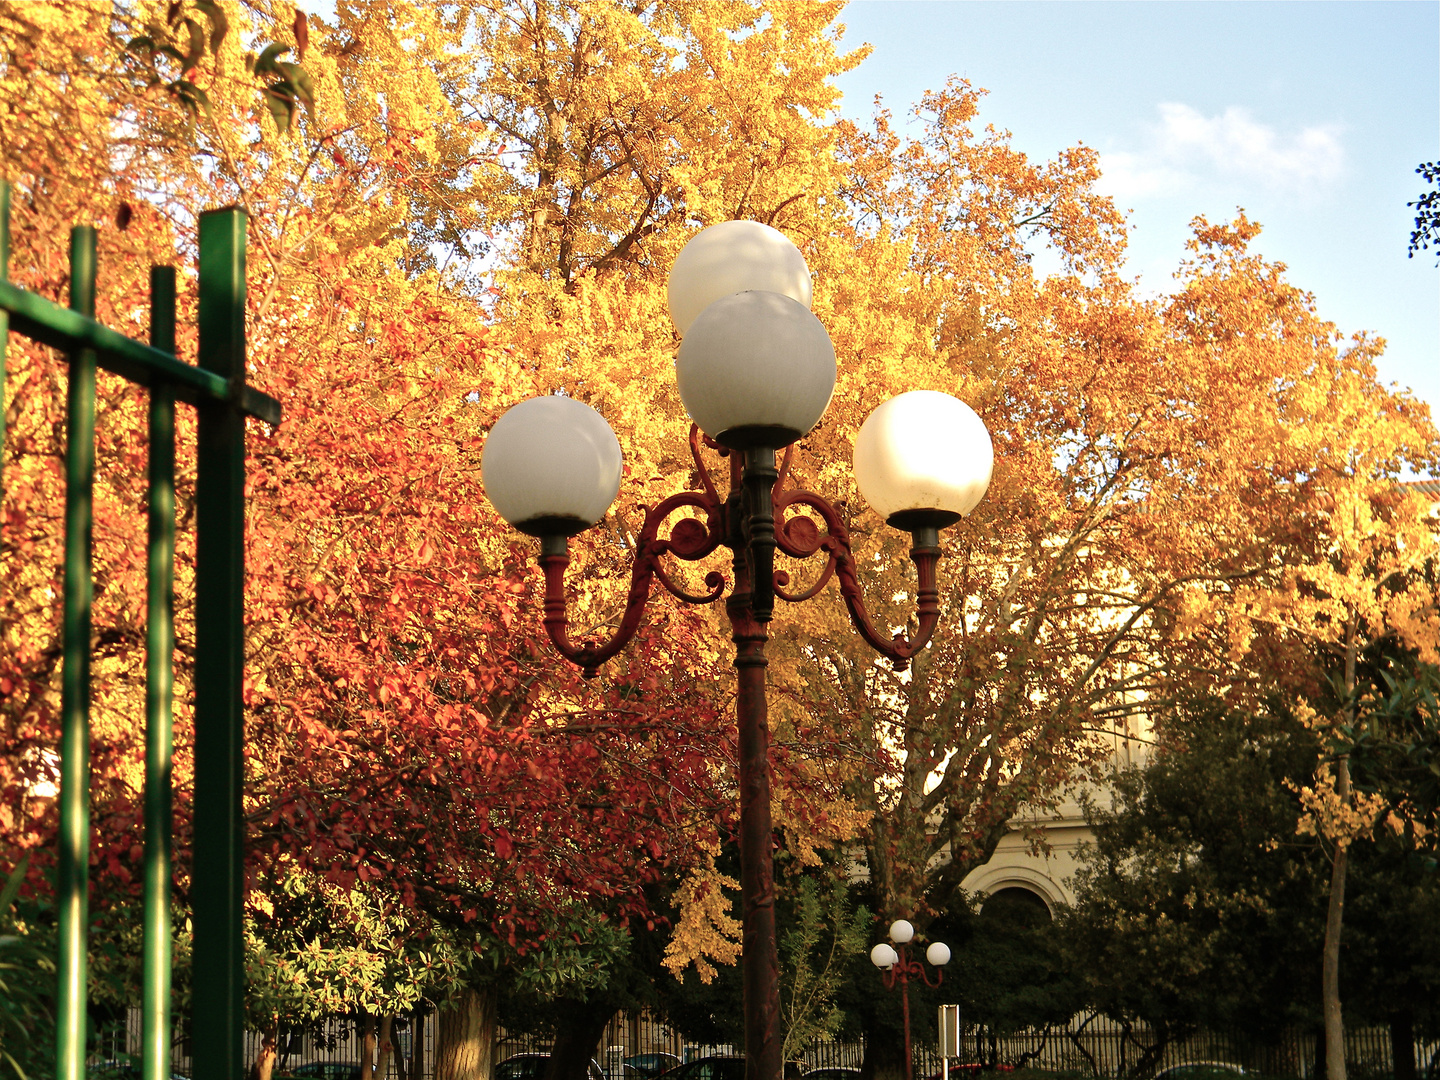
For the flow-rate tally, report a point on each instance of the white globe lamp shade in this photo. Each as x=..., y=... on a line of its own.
x=938, y=954
x=883, y=956
x=901, y=931
x=731, y=257
x=551, y=466
x=756, y=369
x=923, y=460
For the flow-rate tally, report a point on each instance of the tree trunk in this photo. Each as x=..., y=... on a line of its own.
x=577, y=1040
x=386, y=1047
x=265, y=1064
x=1402, y=1044
x=1330, y=972
x=367, y=1048
x=1335, y=915
x=884, y=1059
x=465, y=1036
x=418, y=1020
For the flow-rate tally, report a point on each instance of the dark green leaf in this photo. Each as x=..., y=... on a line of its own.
x=299, y=83
x=265, y=64
x=219, y=22
x=195, y=97
x=197, y=44
x=141, y=46
x=282, y=108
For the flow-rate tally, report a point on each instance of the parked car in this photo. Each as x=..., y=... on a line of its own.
x=532, y=1067
x=1201, y=1070
x=648, y=1066
x=324, y=1070
x=833, y=1072
x=717, y=1067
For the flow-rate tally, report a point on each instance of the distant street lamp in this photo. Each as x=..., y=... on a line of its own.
x=755, y=370
x=897, y=967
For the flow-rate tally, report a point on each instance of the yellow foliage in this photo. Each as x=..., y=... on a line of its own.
x=706, y=934
x=1189, y=492
x=1338, y=818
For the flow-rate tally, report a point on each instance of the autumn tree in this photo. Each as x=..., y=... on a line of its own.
x=407, y=728
x=1355, y=545
x=1135, y=491
x=453, y=208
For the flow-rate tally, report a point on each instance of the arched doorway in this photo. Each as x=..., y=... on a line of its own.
x=1016, y=904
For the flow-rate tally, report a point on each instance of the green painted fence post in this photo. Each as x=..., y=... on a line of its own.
x=72, y=872
x=217, y=1013
x=159, y=687
x=222, y=399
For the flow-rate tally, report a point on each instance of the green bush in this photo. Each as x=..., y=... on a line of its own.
x=27, y=983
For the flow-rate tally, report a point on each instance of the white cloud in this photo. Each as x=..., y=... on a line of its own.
x=1188, y=151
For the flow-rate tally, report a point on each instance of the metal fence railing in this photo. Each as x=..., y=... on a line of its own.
x=1093, y=1045
x=1087, y=1046
x=217, y=389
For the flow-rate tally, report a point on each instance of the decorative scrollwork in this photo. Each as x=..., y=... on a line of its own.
x=799, y=537
x=693, y=538
x=690, y=539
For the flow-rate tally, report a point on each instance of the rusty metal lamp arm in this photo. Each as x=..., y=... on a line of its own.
x=799, y=538
x=905, y=969
x=753, y=522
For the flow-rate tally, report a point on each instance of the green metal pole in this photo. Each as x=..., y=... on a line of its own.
x=159, y=682
x=72, y=877
x=4, y=315
x=218, y=1002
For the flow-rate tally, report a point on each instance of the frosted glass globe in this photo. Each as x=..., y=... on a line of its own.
x=923, y=459
x=551, y=466
x=732, y=257
x=756, y=369
x=938, y=954
x=901, y=931
x=883, y=956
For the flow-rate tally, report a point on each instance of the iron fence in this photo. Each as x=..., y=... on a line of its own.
x=1090, y=1045
x=1094, y=1045
x=216, y=387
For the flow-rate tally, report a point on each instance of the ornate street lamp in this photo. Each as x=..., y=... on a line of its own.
x=756, y=370
x=897, y=967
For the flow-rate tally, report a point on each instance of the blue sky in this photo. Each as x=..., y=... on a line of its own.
x=1311, y=116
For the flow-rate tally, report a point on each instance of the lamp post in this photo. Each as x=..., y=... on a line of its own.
x=756, y=371
x=897, y=967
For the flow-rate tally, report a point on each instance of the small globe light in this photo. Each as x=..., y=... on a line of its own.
x=938, y=954
x=923, y=459
x=551, y=466
x=732, y=257
x=883, y=956
x=756, y=369
x=901, y=931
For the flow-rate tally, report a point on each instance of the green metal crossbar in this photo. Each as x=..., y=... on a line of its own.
x=222, y=400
